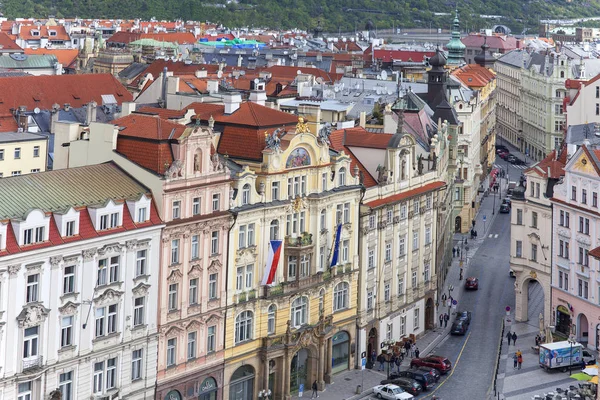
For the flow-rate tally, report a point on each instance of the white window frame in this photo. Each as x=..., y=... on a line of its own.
x=171, y=352
x=141, y=260
x=66, y=331
x=173, y=298
x=139, y=313
x=193, y=291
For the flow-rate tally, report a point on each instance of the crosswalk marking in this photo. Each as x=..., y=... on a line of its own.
x=496, y=236
x=490, y=236
x=511, y=166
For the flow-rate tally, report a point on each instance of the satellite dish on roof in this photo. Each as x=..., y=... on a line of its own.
x=384, y=75
x=256, y=81
x=242, y=73
x=220, y=74
x=298, y=72
x=36, y=110
x=378, y=90
x=379, y=77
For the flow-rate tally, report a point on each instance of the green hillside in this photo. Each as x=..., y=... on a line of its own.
x=336, y=15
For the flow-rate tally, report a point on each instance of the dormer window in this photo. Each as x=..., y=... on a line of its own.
x=52, y=33
x=70, y=228
x=35, y=33
x=141, y=216
x=109, y=221
x=246, y=194
x=33, y=235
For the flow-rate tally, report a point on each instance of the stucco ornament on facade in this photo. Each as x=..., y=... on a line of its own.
x=88, y=254
x=109, y=296
x=32, y=315
x=14, y=269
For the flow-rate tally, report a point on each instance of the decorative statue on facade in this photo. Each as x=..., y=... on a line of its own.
x=197, y=165
x=420, y=164
x=273, y=141
x=434, y=159
x=381, y=174
x=216, y=162
x=302, y=126
x=324, y=134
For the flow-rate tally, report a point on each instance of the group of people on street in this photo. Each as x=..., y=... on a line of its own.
x=444, y=317
x=512, y=336
x=395, y=358
x=517, y=359
x=456, y=251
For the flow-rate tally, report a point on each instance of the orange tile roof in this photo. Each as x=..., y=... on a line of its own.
x=173, y=37
x=6, y=43
x=474, y=75
x=26, y=32
x=595, y=253
x=148, y=127
x=66, y=57
x=248, y=114
x=338, y=141
x=430, y=187
x=162, y=112
x=549, y=167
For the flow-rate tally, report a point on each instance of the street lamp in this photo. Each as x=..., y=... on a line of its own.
x=264, y=394
x=571, y=341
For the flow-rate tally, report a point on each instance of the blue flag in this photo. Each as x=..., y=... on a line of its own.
x=336, y=246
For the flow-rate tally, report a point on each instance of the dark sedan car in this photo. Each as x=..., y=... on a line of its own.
x=504, y=209
x=464, y=316
x=410, y=385
x=472, y=283
x=434, y=372
x=459, y=328
x=425, y=380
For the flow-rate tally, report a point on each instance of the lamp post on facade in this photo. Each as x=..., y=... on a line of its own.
x=571, y=341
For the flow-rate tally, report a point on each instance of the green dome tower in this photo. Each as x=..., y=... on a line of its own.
x=456, y=48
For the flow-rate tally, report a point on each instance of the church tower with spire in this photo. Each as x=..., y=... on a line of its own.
x=456, y=48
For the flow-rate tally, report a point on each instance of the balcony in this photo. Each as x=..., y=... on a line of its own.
x=33, y=363
x=306, y=282
x=304, y=240
x=245, y=296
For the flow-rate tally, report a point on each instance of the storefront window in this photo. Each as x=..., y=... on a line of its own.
x=208, y=389
x=563, y=319
x=242, y=383
x=340, y=351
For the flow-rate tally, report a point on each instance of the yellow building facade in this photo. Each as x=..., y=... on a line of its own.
x=284, y=336
x=22, y=153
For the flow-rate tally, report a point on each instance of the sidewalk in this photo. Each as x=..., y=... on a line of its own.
x=344, y=385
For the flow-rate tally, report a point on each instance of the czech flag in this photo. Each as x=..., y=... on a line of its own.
x=275, y=248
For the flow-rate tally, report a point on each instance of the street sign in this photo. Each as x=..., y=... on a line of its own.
x=454, y=302
x=507, y=308
x=363, y=363
x=301, y=390
x=484, y=218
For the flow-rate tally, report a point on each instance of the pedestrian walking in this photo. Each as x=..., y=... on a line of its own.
x=515, y=361
x=441, y=320
x=412, y=350
x=407, y=347
x=417, y=352
x=446, y=318
x=514, y=338
x=520, y=360
x=508, y=337
x=458, y=252
x=381, y=360
x=398, y=362
x=453, y=252
x=373, y=357
x=315, y=392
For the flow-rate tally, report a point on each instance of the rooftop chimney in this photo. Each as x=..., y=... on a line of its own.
x=232, y=102
x=67, y=107
x=90, y=112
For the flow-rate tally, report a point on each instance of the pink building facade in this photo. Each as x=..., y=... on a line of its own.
x=192, y=279
x=575, y=270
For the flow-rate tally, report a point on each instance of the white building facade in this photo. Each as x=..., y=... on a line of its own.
x=78, y=286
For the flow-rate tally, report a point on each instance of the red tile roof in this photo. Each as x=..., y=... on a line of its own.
x=389, y=55
x=347, y=46
x=44, y=91
x=595, y=253
x=146, y=140
x=161, y=112
x=356, y=136
x=430, y=187
x=549, y=167
x=124, y=37
x=501, y=42
x=248, y=114
x=173, y=37
x=6, y=43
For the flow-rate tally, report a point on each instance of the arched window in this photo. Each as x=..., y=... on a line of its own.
x=342, y=176
x=274, y=230
x=321, y=301
x=246, y=194
x=340, y=296
x=243, y=326
x=271, y=319
x=300, y=311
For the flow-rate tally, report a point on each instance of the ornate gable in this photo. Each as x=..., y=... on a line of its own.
x=32, y=315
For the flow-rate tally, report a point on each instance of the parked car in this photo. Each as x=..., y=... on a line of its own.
x=440, y=363
x=472, y=283
x=504, y=209
x=518, y=161
x=511, y=158
x=425, y=379
x=463, y=316
x=504, y=155
x=501, y=146
x=434, y=372
x=391, y=392
x=459, y=328
x=410, y=385
x=507, y=200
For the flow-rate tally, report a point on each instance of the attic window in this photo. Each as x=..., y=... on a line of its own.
x=120, y=94
x=37, y=97
x=52, y=33
x=35, y=33
x=76, y=96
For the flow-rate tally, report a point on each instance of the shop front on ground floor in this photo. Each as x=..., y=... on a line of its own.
x=204, y=384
